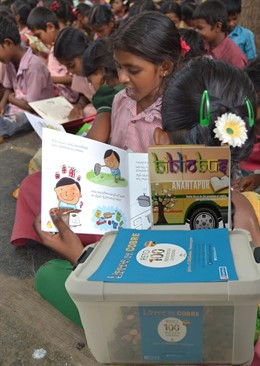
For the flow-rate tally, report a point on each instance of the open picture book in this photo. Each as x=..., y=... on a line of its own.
x=97, y=187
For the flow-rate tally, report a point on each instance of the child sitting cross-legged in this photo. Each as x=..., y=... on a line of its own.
x=26, y=80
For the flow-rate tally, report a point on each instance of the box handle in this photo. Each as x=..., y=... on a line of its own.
x=84, y=256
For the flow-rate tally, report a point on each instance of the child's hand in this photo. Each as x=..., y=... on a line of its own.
x=65, y=242
x=2, y=109
x=76, y=113
x=11, y=98
x=248, y=183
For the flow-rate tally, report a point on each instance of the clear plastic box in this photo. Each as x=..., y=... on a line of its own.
x=122, y=321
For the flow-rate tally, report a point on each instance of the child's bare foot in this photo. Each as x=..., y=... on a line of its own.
x=1, y=139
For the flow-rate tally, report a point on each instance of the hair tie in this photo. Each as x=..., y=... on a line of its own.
x=55, y=6
x=184, y=47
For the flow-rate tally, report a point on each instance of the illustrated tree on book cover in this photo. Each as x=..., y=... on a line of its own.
x=163, y=200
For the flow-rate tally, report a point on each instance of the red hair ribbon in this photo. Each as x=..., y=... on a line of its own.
x=74, y=11
x=55, y=6
x=184, y=47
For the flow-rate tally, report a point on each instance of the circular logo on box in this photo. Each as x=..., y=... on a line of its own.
x=161, y=255
x=172, y=329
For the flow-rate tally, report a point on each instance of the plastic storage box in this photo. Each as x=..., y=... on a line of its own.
x=133, y=323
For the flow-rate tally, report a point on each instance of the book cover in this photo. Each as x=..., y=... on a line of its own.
x=39, y=123
x=96, y=186
x=189, y=186
x=155, y=256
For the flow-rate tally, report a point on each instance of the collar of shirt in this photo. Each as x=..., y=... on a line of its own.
x=24, y=63
x=149, y=114
x=236, y=31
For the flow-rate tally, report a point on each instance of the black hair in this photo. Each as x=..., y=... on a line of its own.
x=100, y=15
x=9, y=30
x=233, y=6
x=212, y=11
x=252, y=69
x=187, y=9
x=65, y=181
x=125, y=3
x=4, y=11
x=40, y=16
x=83, y=9
x=170, y=6
x=194, y=40
x=70, y=43
x=21, y=8
x=227, y=86
x=149, y=35
x=63, y=10
x=110, y=152
x=141, y=6
x=99, y=55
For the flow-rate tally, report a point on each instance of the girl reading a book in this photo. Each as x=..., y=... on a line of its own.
x=70, y=45
x=186, y=120
x=146, y=50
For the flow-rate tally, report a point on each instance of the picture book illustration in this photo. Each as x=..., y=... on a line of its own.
x=39, y=123
x=156, y=256
x=189, y=186
x=95, y=186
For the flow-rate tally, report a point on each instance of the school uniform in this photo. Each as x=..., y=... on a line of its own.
x=57, y=69
x=132, y=131
x=227, y=51
x=31, y=82
x=81, y=85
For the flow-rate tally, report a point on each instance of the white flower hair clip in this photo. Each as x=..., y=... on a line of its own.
x=231, y=129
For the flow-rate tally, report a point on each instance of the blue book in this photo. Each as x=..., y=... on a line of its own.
x=168, y=256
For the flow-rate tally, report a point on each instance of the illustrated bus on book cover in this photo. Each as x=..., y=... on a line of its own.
x=190, y=184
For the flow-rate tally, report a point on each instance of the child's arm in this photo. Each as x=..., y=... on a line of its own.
x=4, y=100
x=20, y=103
x=77, y=111
x=66, y=79
x=101, y=127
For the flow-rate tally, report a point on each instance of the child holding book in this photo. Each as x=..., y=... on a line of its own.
x=146, y=49
x=44, y=25
x=69, y=48
x=181, y=124
x=210, y=20
x=26, y=79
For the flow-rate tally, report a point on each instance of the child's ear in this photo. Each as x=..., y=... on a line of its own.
x=166, y=68
x=161, y=137
x=218, y=26
x=50, y=27
x=8, y=43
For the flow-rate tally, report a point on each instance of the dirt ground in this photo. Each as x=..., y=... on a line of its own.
x=29, y=326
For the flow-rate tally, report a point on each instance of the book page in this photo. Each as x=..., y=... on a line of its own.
x=86, y=181
x=139, y=199
x=54, y=109
x=39, y=123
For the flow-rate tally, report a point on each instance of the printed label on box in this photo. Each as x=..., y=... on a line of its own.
x=171, y=333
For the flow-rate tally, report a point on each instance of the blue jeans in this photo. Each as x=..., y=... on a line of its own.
x=18, y=123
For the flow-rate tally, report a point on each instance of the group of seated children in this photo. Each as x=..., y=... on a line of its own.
x=145, y=84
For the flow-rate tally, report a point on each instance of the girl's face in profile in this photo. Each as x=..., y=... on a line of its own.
x=142, y=79
x=96, y=79
x=73, y=66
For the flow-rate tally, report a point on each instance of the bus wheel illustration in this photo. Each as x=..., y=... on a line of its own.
x=204, y=218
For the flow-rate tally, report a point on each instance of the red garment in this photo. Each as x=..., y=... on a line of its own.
x=27, y=208
x=228, y=51
x=252, y=163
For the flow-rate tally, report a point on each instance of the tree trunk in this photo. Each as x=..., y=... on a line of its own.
x=250, y=18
